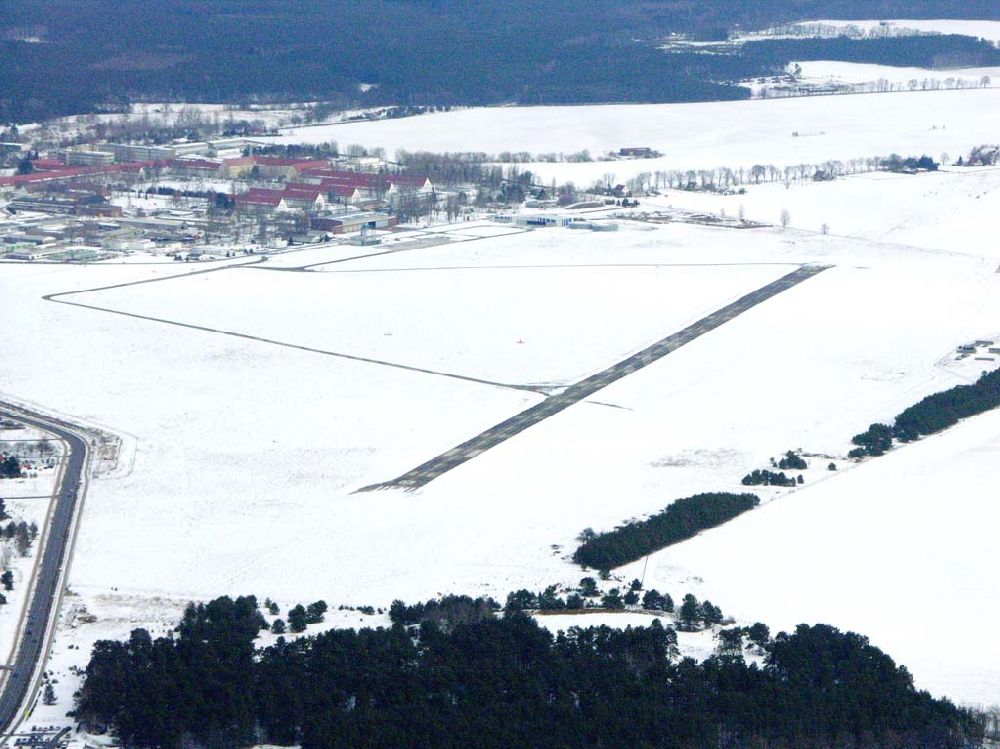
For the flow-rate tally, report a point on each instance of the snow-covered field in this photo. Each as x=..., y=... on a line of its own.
x=694, y=136
x=978, y=29
x=243, y=455
x=891, y=549
x=830, y=76
x=472, y=328
x=833, y=71
x=951, y=209
x=246, y=452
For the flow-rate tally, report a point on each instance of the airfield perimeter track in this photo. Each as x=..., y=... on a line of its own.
x=553, y=404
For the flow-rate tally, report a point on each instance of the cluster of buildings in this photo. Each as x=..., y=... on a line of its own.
x=119, y=153
x=313, y=185
x=78, y=203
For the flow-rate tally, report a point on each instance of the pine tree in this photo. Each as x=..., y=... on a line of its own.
x=690, y=613
x=575, y=601
x=612, y=600
x=652, y=600
x=710, y=614
x=48, y=694
x=297, y=619
x=730, y=641
x=7, y=579
x=759, y=635
x=315, y=611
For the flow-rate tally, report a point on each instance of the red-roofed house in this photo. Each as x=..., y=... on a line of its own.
x=259, y=199
x=196, y=168
x=273, y=167
x=293, y=197
x=298, y=196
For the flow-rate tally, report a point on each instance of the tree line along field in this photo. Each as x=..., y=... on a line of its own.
x=775, y=133
x=680, y=520
x=684, y=518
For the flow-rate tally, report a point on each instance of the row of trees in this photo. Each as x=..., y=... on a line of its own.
x=722, y=179
x=791, y=86
x=984, y=155
x=299, y=616
x=22, y=534
x=502, y=682
x=791, y=461
x=678, y=521
x=759, y=477
x=19, y=533
x=897, y=163
x=830, y=31
x=588, y=595
x=932, y=414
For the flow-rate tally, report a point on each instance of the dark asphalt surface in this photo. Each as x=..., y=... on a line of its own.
x=46, y=590
x=435, y=467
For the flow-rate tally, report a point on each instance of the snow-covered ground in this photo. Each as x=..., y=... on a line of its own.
x=246, y=452
x=902, y=549
x=832, y=71
x=694, y=136
x=173, y=113
x=975, y=28
x=471, y=328
x=951, y=209
x=243, y=454
x=831, y=76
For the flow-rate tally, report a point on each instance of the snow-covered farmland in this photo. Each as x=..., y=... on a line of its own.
x=694, y=136
x=978, y=29
x=832, y=71
x=814, y=77
x=952, y=209
x=903, y=550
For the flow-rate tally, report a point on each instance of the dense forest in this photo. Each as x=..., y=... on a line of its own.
x=481, y=680
x=679, y=521
x=67, y=56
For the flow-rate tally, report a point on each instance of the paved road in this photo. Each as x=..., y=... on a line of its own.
x=46, y=592
x=435, y=467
